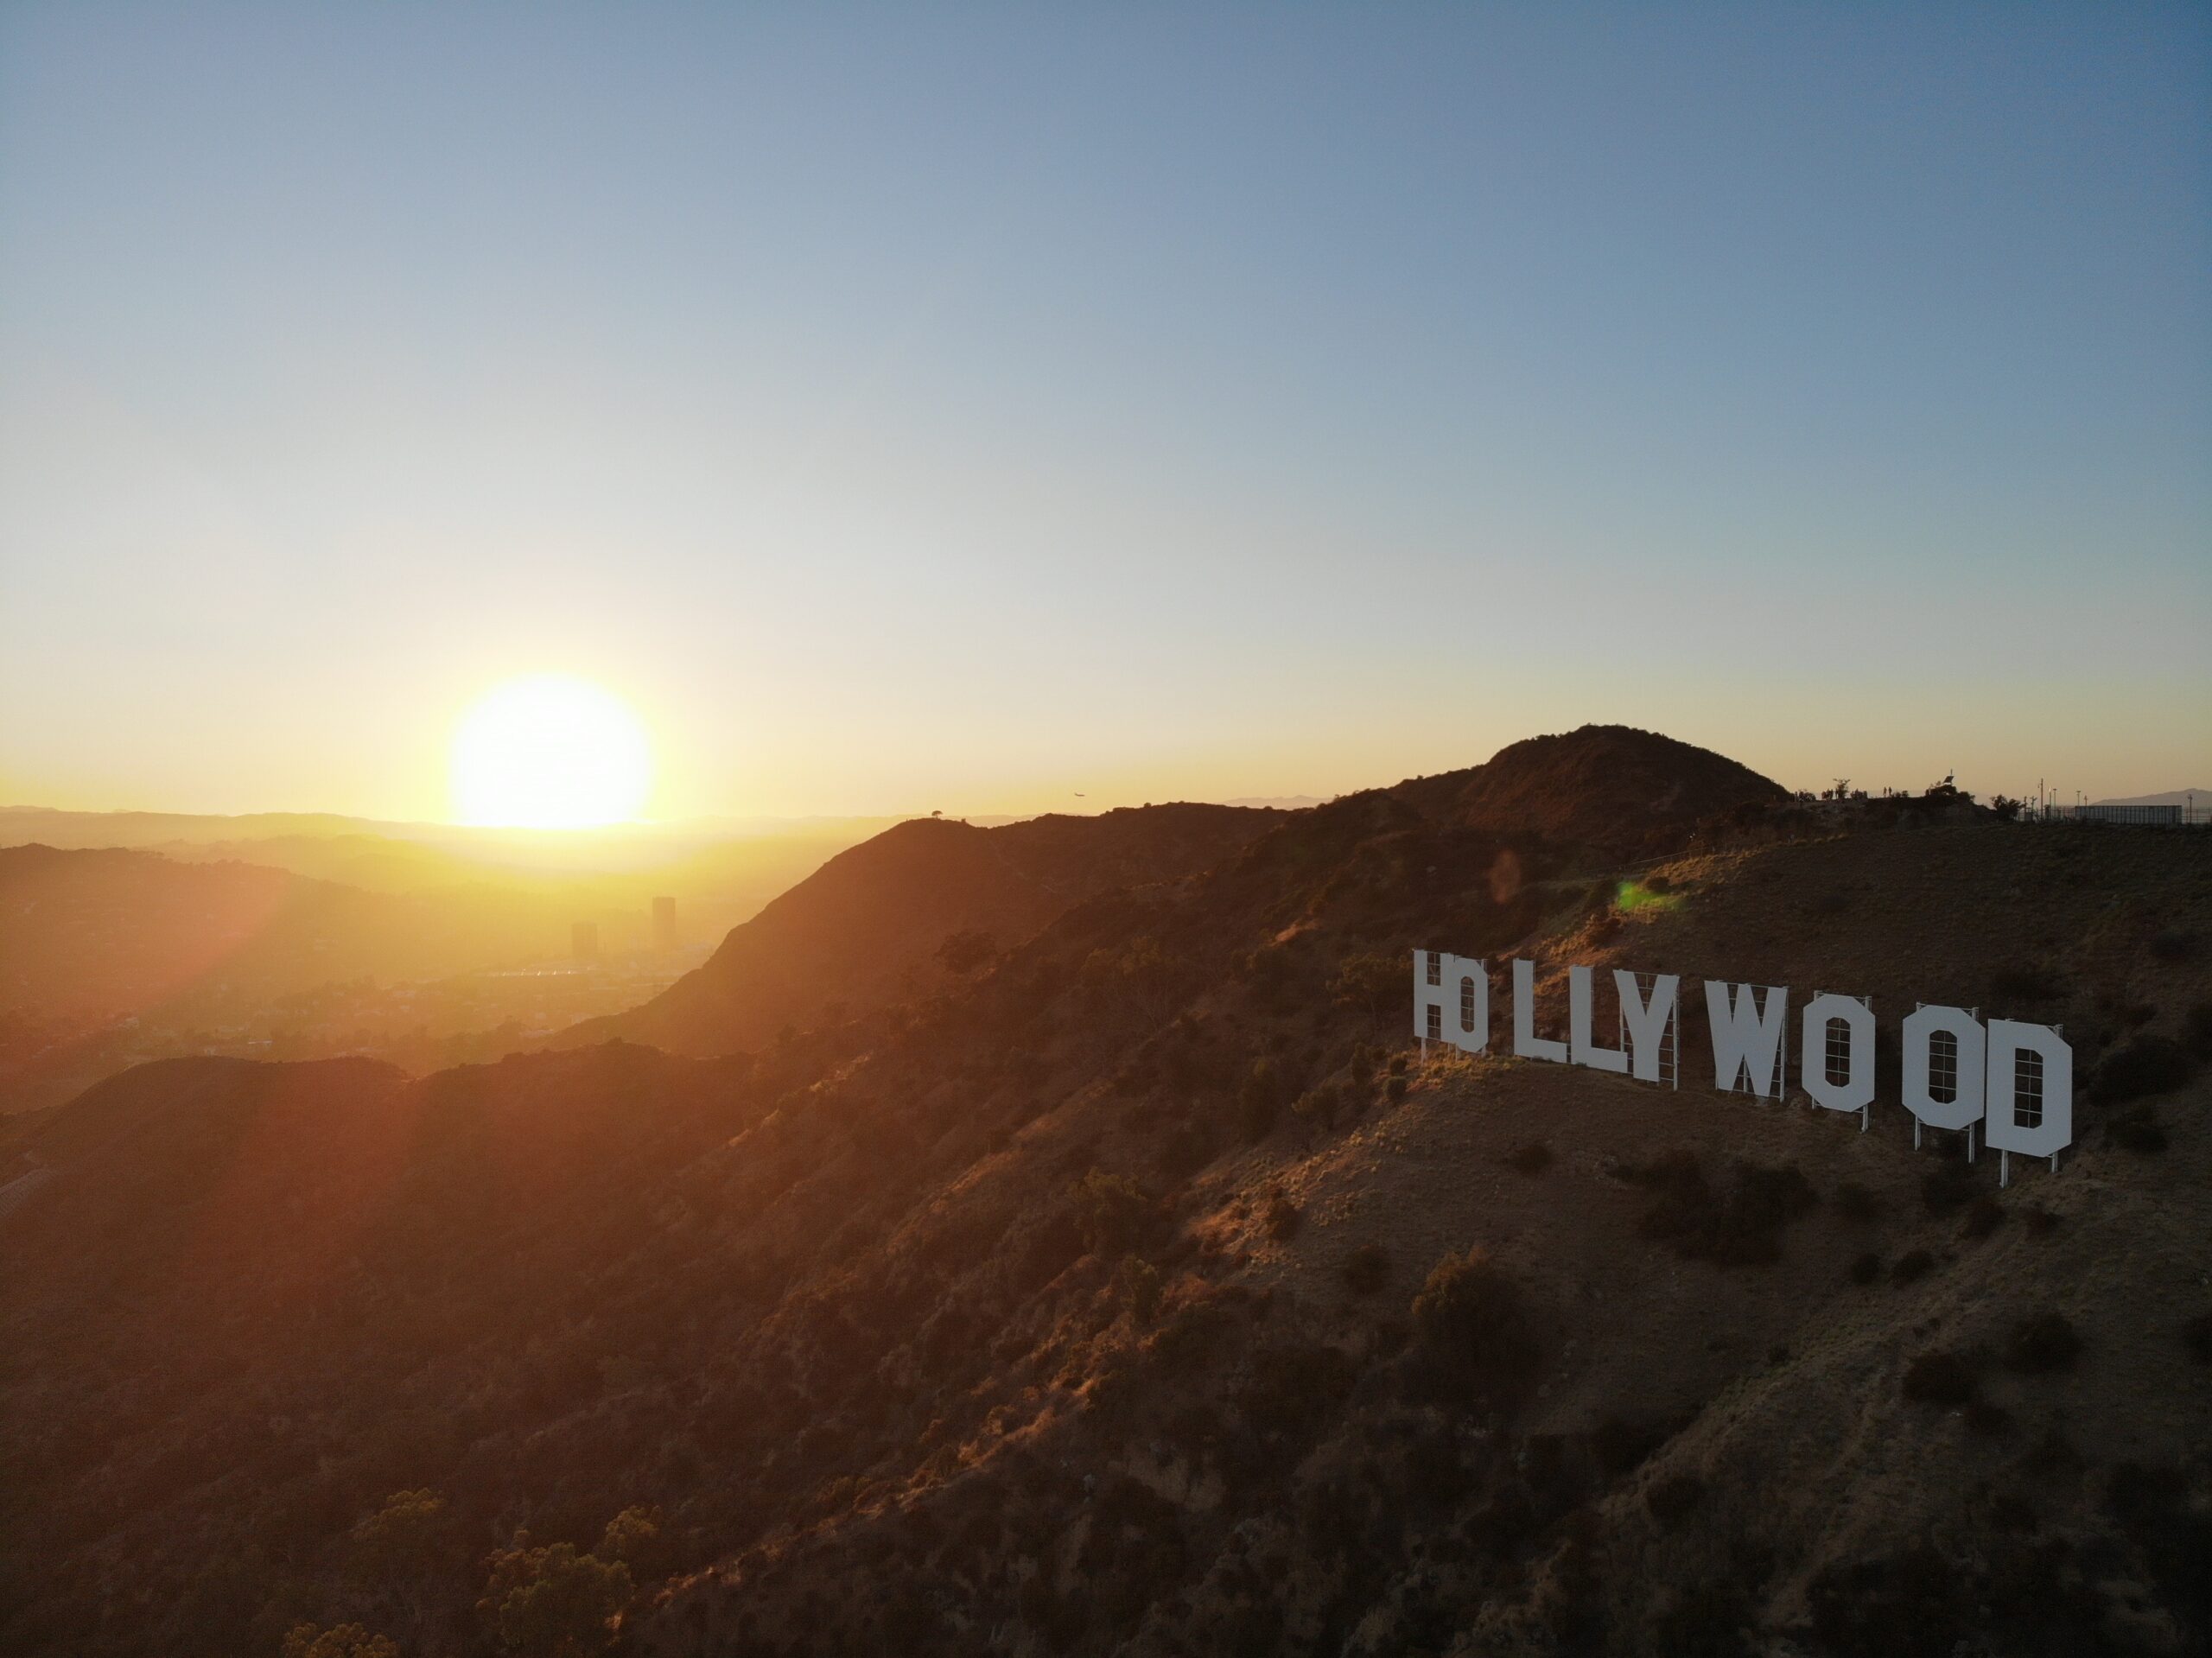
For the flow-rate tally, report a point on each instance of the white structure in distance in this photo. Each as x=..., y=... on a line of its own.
x=2011, y=1081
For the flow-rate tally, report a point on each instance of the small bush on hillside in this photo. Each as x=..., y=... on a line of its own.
x=1114, y=1212
x=2196, y=1334
x=1984, y=1216
x=1284, y=1218
x=1397, y=1066
x=2173, y=945
x=1532, y=1159
x=1912, y=1265
x=340, y=1641
x=1187, y=1147
x=2145, y=1066
x=404, y=1539
x=1293, y=1389
x=1856, y=1202
x=1395, y=1089
x=1989, y=1420
x=1709, y=1621
x=1867, y=1268
x=1939, y=1378
x=1191, y=1338
x=1472, y=1334
x=2128, y=1015
x=1259, y=1100
x=553, y=1602
x=1373, y=984
x=1736, y=1231
x=1672, y=1498
x=1907, y=1602
x=1318, y=1107
x=1948, y=1188
x=2024, y=983
x=1622, y=1446
x=1140, y=1283
x=2196, y=1029
x=1367, y=1269
x=2041, y=1344
x=2139, y=1131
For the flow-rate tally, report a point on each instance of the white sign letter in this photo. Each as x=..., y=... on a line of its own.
x=2031, y=1097
x=1525, y=1042
x=1818, y=1062
x=1587, y=1051
x=1454, y=1005
x=1943, y=1049
x=1647, y=1022
x=1746, y=1038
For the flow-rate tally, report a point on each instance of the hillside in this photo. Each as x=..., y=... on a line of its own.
x=869, y=926
x=115, y=931
x=1612, y=788
x=1086, y=1304
x=110, y=955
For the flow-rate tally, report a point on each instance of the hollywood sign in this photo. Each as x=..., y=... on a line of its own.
x=2011, y=1080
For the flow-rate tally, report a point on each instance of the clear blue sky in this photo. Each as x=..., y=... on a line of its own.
x=959, y=406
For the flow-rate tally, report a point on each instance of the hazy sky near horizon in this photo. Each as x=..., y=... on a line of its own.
x=965, y=406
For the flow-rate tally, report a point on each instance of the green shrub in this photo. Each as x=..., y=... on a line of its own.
x=1318, y=1107
x=1670, y=1499
x=1114, y=1212
x=2145, y=1066
x=1948, y=1189
x=553, y=1602
x=2138, y=1130
x=404, y=1539
x=1907, y=1602
x=1259, y=1099
x=1939, y=1378
x=1740, y=1229
x=1532, y=1159
x=1367, y=1269
x=1140, y=1283
x=2042, y=1343
x=1473, y=1333
x=1912, y=1265
x=1856, y=1202
x=2196, y=1334
x=1284, y=1218
x=2196, y=1029
x=2173, y=945
x=341, y=1640
x=1621, y=1447
x=2024, y=983
x=1989, y=1420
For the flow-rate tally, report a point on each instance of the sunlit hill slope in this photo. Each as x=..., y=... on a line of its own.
x=1114, y=1295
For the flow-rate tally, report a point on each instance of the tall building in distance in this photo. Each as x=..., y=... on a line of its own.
x=583, y=941
x=664, y=925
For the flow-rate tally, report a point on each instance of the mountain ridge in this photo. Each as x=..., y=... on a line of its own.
x=1147, y=1290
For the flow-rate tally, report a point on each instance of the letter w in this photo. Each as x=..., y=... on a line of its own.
x=1746, y=1038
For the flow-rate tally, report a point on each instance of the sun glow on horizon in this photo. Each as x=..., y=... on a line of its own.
x=549, y=752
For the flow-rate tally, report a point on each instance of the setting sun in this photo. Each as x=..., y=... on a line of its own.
x=550, y=752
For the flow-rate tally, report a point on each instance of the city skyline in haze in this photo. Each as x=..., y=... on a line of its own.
x=965, y=409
